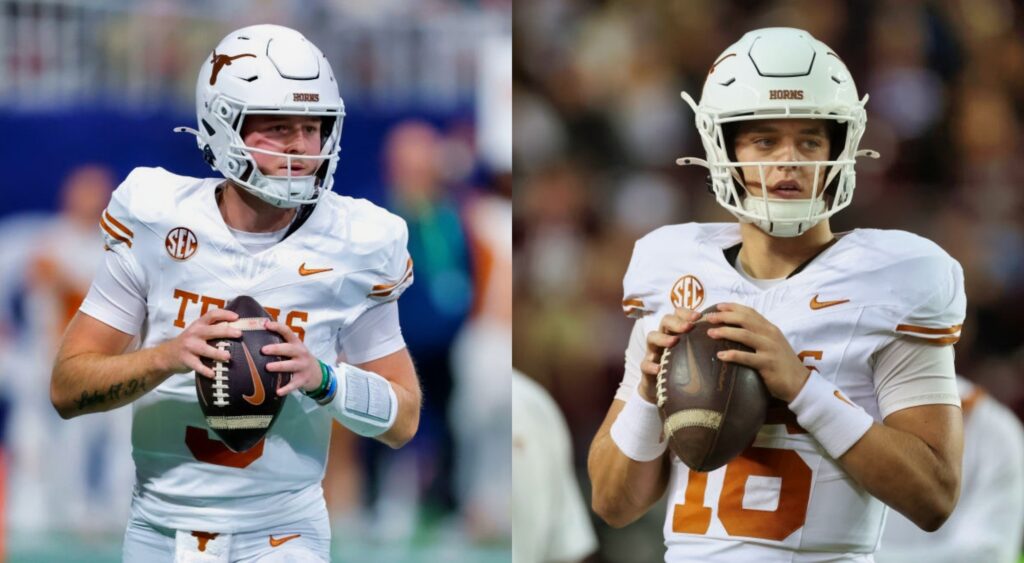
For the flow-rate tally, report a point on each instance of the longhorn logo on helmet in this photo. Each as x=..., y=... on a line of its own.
x=219, y=61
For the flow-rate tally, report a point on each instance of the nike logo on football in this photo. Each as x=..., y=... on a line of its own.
x=258, y=394
x=815, y=304
x=303, y=271
x=276, y=542
x=693, y=385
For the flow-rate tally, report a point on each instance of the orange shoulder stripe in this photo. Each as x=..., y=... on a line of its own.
x=941, y=341
x=391, y=289
x=389, y=286
x=633, y=308
x=925, y=330
x=117, y=223
x=114, y=234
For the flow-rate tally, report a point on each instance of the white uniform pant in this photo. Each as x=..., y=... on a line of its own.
x=301, y=542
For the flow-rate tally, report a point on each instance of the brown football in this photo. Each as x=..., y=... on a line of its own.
x=241, y=402
x=711, y=409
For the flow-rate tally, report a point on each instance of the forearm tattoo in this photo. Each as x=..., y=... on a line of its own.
x=116, y=392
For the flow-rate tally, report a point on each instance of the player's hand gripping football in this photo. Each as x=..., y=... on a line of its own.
x=783, y=373
x=666, y=336
x=300, y=362
x=183, y=353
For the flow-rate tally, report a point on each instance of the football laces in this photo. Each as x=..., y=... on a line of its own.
x=220, y=379
x=661, y=388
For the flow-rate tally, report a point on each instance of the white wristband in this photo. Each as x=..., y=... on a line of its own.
x=834, y=421
x=637, y=430
x=365, y=402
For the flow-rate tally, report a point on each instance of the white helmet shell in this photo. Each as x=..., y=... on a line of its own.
x=270, y=70
x=779, y=73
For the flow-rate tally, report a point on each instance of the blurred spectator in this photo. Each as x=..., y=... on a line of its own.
x=85, y=462
x=550, y=520
x=988, y=522
x=443, y=292
x=480, y=411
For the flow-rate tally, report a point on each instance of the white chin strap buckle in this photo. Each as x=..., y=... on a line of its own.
x=784, y=218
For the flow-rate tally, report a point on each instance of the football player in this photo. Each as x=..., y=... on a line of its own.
x=988, y=522
x=548, y=514
x=328, y=267
x=852, y=332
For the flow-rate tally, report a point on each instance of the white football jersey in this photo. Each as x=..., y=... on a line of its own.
x=784, y=495
x=347, y=257
x=549, y=517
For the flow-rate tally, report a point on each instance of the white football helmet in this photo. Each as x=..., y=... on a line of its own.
x=779, y=73
x=267, y=69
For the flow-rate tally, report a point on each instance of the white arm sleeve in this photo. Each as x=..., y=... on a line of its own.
x=635, y=351
x=117, y=296
x=375, y=334
x=910, y=372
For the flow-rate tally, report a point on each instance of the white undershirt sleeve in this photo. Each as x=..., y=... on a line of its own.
x=117, y=296
x=635, y=351
x=375, y=334
x=909, y=373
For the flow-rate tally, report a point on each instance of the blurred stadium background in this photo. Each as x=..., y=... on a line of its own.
x=599, y=123
x=91, y=89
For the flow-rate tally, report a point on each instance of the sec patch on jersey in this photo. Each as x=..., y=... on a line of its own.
x=240, y=403
x=711, y=409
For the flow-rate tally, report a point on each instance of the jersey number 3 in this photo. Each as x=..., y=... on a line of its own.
x=208, y=450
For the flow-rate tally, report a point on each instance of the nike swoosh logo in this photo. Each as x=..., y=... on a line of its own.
x=280, y=541
x=842, y=398
x=693, y=385
x=815, y=304
x=258, y=395
x=303, y=271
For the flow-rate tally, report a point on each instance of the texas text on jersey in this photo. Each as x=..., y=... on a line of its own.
x=348, y=256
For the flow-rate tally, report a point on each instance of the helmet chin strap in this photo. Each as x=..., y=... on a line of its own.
x=267, y=185
x=787, y=218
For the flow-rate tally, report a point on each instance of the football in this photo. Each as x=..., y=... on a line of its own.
x=241, y=403
x=711, y=409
